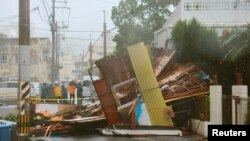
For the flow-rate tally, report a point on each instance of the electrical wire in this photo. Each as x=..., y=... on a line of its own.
x=46, y=3
x=81, y=31
x=85, y=55
x=39, y=13
x=74, y=38
x=84, y=16
x=106, y=1
x=46, y=10
x=16, y=16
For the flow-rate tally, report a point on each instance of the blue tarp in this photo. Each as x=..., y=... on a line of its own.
x=138, y=110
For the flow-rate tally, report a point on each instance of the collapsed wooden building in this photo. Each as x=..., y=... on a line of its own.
x=123, y=76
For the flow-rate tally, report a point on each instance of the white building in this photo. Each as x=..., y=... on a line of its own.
x=39, y=58
x=67, y=61
x=218, y=14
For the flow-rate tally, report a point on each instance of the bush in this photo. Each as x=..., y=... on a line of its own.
x=11, y=117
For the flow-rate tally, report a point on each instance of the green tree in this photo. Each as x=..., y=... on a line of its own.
x=137, y=20
x=236, y=46
x=195, y=43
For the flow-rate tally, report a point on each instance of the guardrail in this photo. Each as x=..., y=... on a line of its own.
x=6, y=97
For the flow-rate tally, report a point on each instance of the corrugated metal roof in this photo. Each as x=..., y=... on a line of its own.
x=151, y=93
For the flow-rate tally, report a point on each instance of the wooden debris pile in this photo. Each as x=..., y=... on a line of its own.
x=177, y=80
x=47, y=123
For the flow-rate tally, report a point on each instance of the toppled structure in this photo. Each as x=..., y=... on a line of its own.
x=123, y=80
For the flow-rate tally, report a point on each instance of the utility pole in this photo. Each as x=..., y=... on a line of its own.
x=90, y=53
x=55, y=40
x=53, y=31
x=104, y=35
x=58, y=36
x=23, y=71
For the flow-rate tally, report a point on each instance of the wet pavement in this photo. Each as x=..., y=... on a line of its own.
x=99, y=137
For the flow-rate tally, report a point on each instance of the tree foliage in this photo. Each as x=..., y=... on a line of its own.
x=237, y=44
x=195, y=43
x=236, y=48
x=137, y=20
x=131, y=34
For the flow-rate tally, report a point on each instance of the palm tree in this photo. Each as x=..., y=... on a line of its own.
x=237, y=45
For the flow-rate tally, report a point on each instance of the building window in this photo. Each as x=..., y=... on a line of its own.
x=188, y=6
x=3, y=55
x=16, y=58
x=202, y=6
x=3, y=58
x=196, y=6
x=199, y=6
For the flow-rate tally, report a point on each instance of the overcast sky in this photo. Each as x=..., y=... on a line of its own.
x=84, y=15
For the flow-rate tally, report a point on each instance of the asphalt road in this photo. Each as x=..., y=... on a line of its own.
x=98, y=137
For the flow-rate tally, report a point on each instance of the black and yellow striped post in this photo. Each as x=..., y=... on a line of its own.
x=23, y=127
x=23, y=117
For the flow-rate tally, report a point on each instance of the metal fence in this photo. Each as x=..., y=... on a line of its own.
x=227, y=109
x=240, y=110
x=236, y=110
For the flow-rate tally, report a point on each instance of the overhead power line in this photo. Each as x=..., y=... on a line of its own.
x=81, y=31
x=93, y=45
x=47, y=10
x=16, y=16
x=75, y=38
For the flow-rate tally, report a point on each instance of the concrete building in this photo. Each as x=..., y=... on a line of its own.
x=67, y=62
x=39, y=56
x=217, y=14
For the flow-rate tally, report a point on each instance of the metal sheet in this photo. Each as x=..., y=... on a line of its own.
x=107, y=101
x=142, y=65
